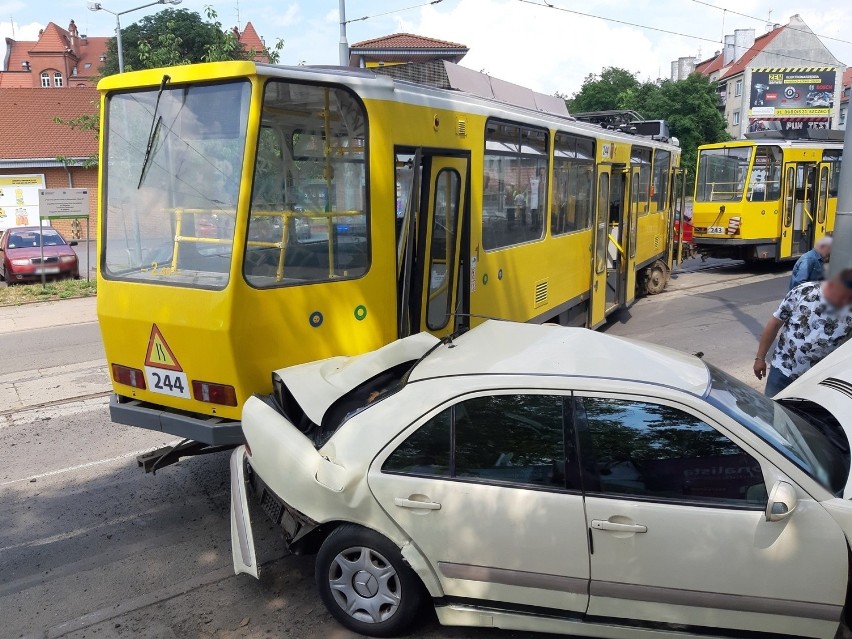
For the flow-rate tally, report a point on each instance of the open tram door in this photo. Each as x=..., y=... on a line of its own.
x=432, y=258
x=610, y=244
x=802, y=206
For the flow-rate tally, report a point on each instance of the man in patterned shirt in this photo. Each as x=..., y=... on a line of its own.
x=814, y=319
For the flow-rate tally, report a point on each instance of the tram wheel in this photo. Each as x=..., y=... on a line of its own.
x=656, y=278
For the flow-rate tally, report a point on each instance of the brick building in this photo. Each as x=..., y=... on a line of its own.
x=34, y=144
x=60, y=58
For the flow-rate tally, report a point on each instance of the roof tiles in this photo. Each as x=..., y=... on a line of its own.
x=28, y=130
x=407, y=41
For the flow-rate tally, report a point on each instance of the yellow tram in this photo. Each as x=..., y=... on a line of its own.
x=765, y=199
x=255, y=216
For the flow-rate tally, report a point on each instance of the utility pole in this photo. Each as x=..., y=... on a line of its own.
x=841, y=252
x=344, y=44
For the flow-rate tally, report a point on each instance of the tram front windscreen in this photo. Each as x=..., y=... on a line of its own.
x=174, y=157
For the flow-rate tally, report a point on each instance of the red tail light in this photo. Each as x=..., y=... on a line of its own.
x=128, y=376
x=214, y=393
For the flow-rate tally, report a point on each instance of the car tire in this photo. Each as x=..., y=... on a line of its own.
x=365, y=583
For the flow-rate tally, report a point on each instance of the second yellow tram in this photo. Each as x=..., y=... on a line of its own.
x=765, y=199
x=255, y=216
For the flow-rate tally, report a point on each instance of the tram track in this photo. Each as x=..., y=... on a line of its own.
x=9, y=412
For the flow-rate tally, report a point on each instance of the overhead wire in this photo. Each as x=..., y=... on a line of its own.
x=759, y=19
x=545, y=4
x=387, y=13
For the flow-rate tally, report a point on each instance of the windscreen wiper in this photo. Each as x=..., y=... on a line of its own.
x=156, y=122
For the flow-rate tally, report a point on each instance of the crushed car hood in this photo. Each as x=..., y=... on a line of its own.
x=317, y=385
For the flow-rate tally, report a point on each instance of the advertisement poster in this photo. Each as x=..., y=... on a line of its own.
x=787, y=124
x=793, y=92
x=19, y=200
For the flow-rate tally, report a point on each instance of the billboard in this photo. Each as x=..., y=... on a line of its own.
x=792, y=92
x=788, y=124
x=19, y=200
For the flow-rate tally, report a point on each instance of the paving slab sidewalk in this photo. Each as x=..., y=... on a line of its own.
x=27, y=317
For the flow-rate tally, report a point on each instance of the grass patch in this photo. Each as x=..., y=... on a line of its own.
x=59, y=290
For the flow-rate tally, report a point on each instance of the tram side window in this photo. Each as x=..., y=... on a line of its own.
x=641, y=157
x=662, y=162
x=309, y=217
x=722, y=174
x=834, y=157
x=514, y=184
x=764, y=185
x=573, y=184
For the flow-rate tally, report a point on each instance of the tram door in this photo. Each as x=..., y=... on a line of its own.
x=618, y=238
x=632, y=239
x=805, y=203
x=430, y=250
x=599, y=291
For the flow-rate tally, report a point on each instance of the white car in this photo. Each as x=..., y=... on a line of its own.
x=558, y=480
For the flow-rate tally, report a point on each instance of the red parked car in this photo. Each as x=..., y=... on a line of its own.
x=21, y=255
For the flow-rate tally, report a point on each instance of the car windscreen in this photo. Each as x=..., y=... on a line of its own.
x=34, y=239
x=811, y=439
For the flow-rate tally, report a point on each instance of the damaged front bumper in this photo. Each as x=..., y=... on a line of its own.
x=242, y=538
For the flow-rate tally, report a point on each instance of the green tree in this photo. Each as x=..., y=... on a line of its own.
x=612, y=89
x=690, y=107
x=178, y=36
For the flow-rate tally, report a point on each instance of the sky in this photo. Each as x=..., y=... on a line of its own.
x=545, y=49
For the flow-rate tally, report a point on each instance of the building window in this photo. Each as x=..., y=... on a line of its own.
x=57, y=79
x=738, y=88
x=45, y=79
x=736, y=118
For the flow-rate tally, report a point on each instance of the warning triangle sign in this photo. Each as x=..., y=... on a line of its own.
x=159, y=354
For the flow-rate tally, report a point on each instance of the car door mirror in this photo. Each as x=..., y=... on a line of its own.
x=72, y=243
x=782, y=501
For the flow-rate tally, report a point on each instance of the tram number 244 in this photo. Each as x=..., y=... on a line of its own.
x=167, y=382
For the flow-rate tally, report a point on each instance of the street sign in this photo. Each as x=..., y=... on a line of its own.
x=63, y=204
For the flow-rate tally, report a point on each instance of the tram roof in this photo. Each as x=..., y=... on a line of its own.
x=370, y=85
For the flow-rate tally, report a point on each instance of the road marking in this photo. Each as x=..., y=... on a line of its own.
x=71, y=469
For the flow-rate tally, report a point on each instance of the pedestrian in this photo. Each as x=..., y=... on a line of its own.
x=810, y=267
x=813, y=320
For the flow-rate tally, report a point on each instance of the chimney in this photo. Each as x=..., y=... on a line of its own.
x=729, y=51
x=743, y=41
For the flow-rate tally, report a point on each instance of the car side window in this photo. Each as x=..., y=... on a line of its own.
x=426, y=451
x=663, y=453
x=511, y=438
x=514, y=439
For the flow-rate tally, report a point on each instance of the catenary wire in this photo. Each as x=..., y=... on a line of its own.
x=544, y=4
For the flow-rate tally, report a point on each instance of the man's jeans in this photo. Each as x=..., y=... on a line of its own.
x=776, y=381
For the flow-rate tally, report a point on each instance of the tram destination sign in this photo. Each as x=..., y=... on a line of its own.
x=800, y=91
x=63, y=204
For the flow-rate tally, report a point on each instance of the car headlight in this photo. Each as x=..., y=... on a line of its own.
x=21, y=262
x=67, y=259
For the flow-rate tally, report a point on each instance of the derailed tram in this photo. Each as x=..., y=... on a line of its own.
x=255, y=216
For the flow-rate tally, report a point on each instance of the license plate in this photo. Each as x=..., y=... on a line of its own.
x=167, y=382
x=47, y=270
x=716, y=230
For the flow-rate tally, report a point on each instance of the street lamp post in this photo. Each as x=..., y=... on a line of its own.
x=97, y=6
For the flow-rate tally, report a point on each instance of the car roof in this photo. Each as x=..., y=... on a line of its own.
x=510, y=348
x=17, y=229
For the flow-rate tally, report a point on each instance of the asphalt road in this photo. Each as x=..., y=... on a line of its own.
x=91, y=547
